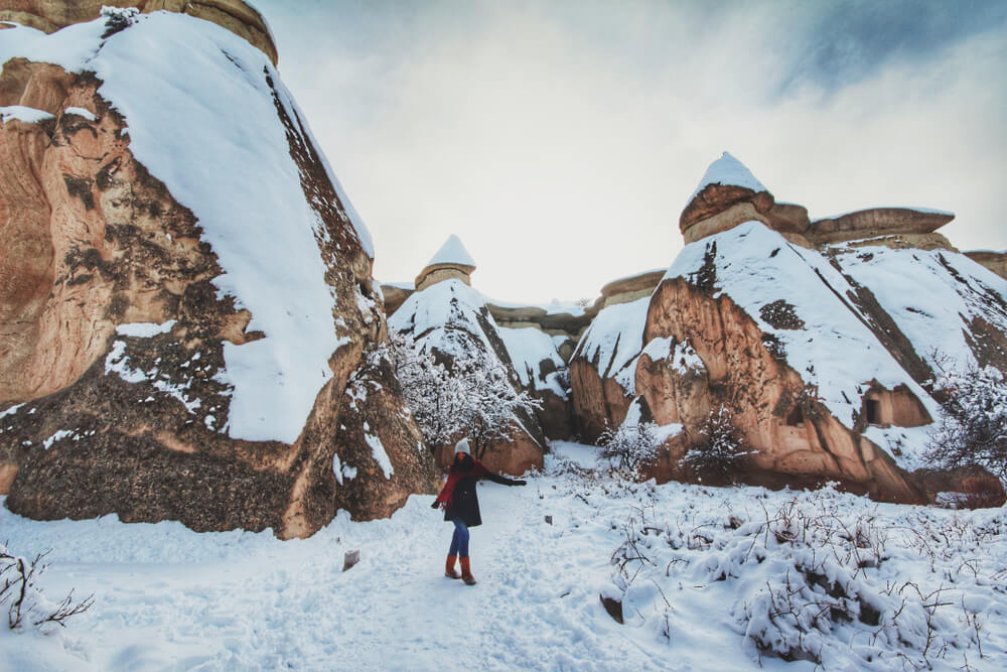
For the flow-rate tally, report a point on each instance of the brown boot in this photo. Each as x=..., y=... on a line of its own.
x=449, y=568
x=467, y=573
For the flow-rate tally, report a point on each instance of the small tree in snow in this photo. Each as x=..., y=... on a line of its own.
x=22, y=598
x=721, y=451
x=630, y=447
x=493, y=405
x=433, y=396
x=473, y=397
x=972, y=428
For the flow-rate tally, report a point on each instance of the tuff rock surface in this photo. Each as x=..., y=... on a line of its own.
x=715, y=333
x=113, y=397
x=236, y=16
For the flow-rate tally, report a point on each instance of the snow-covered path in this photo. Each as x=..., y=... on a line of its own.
x=167, y=598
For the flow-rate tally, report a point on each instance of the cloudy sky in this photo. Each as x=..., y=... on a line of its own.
x=560, y=139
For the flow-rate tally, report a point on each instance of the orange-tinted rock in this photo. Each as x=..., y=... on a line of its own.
x=791, y=432
x=91, y=253
x=631, y=288
x=715, y=199
x=788, y=218
x=972, y=486
x=394, y=297
x=603, y=367
x=875, y=222
x=994, y=261
x=234, y=15
x=102, y=243
x=598, y=403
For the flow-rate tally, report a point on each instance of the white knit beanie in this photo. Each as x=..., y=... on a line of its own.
x=463, y=447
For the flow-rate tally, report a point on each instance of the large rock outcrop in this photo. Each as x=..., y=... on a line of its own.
x=195, y=362
x=795, y=437
x=236, y=16
x=819, y=339
x=729, y=195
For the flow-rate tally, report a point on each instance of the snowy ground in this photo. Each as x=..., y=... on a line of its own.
x=167, y=598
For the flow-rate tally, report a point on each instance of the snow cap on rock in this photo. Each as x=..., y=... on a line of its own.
x=452, y=253
x=451, y=261
x=727, y=170
x=727, y=195
x=463, y=447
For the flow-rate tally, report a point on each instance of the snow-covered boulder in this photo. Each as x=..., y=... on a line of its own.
x=823, y=356
x=541, y=371
x=821, y=340
x=235, y=15
x=186, y=291
x=451, y=321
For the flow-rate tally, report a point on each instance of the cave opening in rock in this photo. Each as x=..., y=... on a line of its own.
x=873, y=409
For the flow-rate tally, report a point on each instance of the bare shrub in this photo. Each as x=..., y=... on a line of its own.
x=721, y=453
x=815, y=580
x=972, y=428
x=630, y=447
x=22, y=598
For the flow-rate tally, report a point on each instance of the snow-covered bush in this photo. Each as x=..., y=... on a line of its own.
x=972, y=428
x=824, y=578
x=720, y=453
x=630, y=447
x=434, y=398
x=118, y=19
x=473, y=396
x=23, y=600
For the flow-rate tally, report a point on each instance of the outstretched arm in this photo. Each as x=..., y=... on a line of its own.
x=503, y=480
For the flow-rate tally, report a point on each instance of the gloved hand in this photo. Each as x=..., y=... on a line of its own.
x=435, y=505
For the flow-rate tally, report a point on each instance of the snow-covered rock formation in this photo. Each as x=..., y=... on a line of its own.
x=452, y=260
x=450, y=320
x=822, y=338
x=235, y=15
x=190, y=327
x=603, y=366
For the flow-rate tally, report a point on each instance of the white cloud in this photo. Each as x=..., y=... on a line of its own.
x=560, y=141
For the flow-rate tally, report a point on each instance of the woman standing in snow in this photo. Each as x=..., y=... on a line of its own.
x=461, y=506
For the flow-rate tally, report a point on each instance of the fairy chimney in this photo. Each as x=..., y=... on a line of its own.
x=451, y=261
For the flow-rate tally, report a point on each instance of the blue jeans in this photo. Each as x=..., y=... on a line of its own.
x=460, y=539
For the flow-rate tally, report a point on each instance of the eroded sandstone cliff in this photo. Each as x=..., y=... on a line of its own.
x=115, y=384
x=805, y=334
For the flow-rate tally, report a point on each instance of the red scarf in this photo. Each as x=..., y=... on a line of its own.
x=455, y=474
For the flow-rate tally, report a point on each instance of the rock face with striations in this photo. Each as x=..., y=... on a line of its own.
x=806, y=333
x=166, y=353
x=603, y=367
